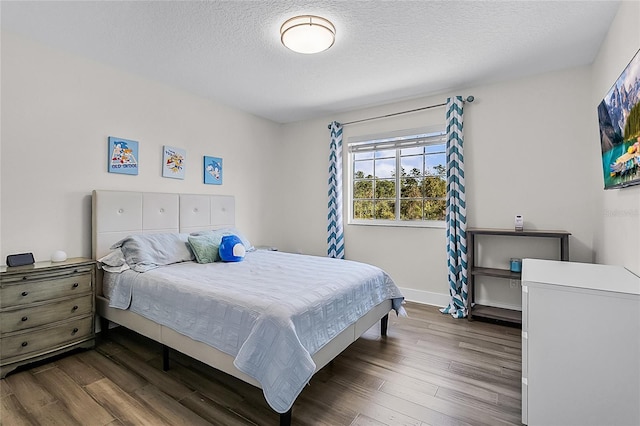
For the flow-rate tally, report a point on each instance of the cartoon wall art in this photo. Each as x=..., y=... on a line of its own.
x=123, y=156
x=212, y=170
x=173, y=162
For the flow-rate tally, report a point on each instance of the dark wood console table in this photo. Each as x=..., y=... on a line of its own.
x=492, y=312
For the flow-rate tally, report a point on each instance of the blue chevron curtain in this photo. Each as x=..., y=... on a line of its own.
x=456, y=213
x=335, y=235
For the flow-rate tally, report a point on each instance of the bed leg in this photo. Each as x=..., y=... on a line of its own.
x=165, y=358
x=104, y=327
x=285, y=418
x=384, y=323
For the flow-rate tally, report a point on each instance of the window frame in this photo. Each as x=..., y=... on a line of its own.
x=397, y=142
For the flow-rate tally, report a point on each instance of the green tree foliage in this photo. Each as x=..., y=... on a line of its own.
x=632, y=126
x=421, y=196
x=362, y=188
x=434, y=209
x=411, y=188
x=385, y=188
x=362, y=209
x=385, y=209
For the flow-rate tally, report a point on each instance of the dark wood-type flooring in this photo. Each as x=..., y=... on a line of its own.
x=430, y=370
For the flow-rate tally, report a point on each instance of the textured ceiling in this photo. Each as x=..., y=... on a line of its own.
x=230, y=51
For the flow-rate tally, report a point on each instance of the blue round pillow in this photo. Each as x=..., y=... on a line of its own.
x=231, y=249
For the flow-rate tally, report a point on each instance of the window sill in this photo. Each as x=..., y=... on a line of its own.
x=440, y=224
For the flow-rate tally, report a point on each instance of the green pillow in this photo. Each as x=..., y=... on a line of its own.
x=205, y=247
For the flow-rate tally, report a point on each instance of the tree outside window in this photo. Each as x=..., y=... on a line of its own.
x=403, y=184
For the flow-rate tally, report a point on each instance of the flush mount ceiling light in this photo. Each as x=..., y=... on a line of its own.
x=307, y=34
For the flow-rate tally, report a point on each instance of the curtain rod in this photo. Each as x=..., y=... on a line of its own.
x=468, y=99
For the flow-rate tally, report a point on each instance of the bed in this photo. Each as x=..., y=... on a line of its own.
x=231, y=316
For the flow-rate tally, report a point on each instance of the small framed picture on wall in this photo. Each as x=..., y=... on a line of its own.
x=173, y=162
x=123, y=156
x=212, y=170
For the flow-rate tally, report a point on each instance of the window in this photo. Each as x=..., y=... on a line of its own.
x=399, y=180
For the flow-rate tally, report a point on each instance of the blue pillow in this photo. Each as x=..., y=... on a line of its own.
x=231, y=249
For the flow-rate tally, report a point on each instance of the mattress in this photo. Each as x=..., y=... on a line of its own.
x=271, y=311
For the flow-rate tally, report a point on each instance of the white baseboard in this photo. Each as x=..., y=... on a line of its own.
x=442, y=300
x=426, y=297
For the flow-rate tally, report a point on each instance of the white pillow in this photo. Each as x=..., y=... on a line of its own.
x=113, y=262
x=148, y=251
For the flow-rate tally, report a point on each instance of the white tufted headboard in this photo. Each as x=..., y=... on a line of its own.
x=116, y=214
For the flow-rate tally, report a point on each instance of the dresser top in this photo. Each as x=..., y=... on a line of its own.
x=44, y=265
x=589, y=276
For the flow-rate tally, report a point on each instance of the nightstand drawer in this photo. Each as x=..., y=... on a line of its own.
x=45, y=313
x=45, y=339
x=29, y=291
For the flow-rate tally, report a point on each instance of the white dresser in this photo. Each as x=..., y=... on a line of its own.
x=580, y=344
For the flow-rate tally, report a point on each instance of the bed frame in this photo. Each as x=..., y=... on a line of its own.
x=117, y=214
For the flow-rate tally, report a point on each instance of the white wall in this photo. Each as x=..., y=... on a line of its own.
x=57, y=113
x=617, y=240
x=527, y=152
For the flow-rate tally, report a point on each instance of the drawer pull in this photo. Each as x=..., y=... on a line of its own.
x=24, y=293
x=25, y=277
x=24, y=344
x=25, y=318
x=75, y=285
x=75, y=330
x=75, y=308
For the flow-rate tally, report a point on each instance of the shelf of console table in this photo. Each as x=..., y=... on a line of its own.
x=495, y=313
